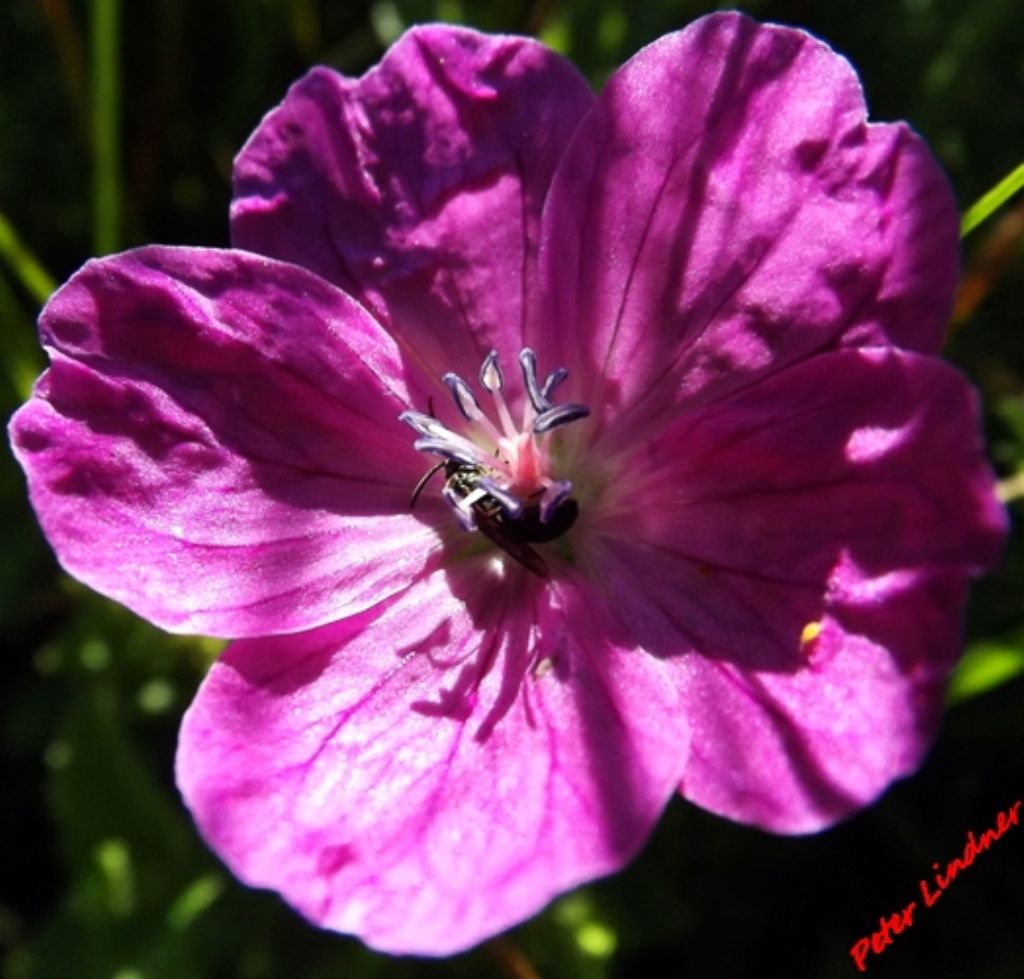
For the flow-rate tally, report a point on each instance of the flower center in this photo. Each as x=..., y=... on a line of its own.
x=498, y=478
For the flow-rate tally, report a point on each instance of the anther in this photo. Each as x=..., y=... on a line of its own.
x=510, y=503
x=424, y=424
x=464, y=398
x=490, y=373
x=551, y=382
x=559, y=415
x=448, y=449
x=528, y=361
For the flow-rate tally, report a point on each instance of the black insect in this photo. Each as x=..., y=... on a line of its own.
x=512, y=534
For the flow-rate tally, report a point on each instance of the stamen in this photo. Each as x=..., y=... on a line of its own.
x=499, y=480
x=464, y=398
x=440, y=440
x=559, y=415
x=511, y=504
x=551, y=382
x=491, y=376
x=461, y=451
x=528, y=361
x=425, y=424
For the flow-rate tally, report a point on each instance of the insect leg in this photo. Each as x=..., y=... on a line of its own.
x=424, y=479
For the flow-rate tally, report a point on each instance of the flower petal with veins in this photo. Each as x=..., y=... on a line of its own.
x=417, y=776
x=216, y=443
x=800, y=504
x=726, y=209
x=418, y=188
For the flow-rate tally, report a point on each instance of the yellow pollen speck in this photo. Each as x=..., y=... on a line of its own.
x=810, y=632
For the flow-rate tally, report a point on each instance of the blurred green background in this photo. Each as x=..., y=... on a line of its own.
x=118, y=123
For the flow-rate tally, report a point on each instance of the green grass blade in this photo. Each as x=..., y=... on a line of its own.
x=989, y=203
x=106, y=125
x=21, y=358
x=26, y=268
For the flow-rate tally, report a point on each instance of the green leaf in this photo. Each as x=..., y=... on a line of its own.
x=987, y=665
x=989, y=203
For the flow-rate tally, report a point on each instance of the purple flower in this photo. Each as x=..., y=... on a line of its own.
x=725, y=555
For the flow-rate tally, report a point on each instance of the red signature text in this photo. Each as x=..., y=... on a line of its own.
x=881, y=939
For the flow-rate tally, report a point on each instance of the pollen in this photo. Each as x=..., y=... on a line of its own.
x=809, y=633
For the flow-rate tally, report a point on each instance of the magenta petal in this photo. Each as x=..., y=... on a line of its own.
x=802, y=555
x=794, y=752
x=418, y=188
x=725, y=210
x=433, y=774
x=216, y=443
x=877, y=453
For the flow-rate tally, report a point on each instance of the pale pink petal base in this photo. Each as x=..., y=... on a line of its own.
x=432, y=775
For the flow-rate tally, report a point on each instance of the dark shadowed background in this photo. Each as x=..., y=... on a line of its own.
x=118, y=123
